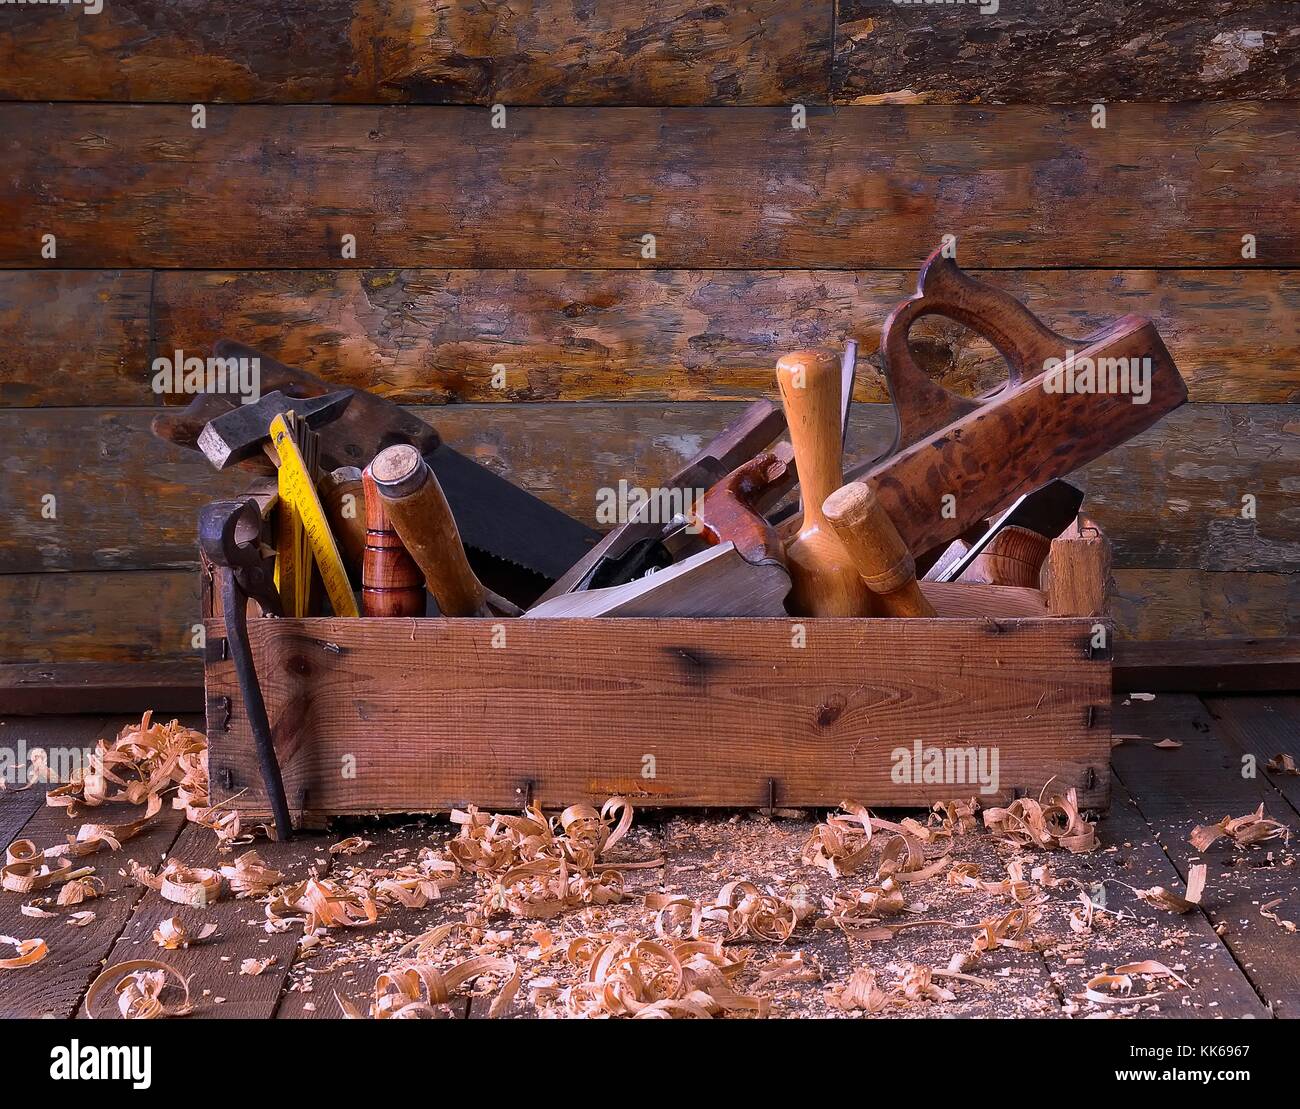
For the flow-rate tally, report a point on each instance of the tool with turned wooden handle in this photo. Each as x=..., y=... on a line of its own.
x=824, y=580
x=391, y=582
x=414, y=502
x=878, y=551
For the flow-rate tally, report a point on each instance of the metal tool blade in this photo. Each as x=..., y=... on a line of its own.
x=1047, y=511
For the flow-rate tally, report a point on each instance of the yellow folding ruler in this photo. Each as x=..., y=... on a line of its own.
x=298, y=495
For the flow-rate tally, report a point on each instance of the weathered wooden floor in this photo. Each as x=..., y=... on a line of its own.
x=1237, y=962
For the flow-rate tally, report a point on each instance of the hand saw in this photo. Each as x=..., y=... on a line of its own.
x=956, y=460
x=500, y=524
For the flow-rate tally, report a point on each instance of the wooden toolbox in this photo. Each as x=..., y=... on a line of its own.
x=1007, y=695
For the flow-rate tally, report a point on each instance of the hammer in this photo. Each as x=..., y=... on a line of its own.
x=239, y=434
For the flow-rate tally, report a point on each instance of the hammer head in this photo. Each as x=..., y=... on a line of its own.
x=239, y=434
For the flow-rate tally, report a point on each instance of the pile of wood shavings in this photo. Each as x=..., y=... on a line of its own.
x=579, y=915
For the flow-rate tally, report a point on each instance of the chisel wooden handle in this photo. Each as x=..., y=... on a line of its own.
x=824, y=580
x=415, y=504
x=391, y=582
x=342, y=497
x=878, y=551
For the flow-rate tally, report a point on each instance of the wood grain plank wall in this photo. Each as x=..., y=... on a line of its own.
x=1065, y=51
x=280, y=186
x=418, y=51
x=521, y=247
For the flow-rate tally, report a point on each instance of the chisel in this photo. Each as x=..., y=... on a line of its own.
x=415, y=504
x=391, y=582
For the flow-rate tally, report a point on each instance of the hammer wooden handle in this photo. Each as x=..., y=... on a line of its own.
x=418, y=509
x=824, y=580
x=878, y=551
x=391, y=582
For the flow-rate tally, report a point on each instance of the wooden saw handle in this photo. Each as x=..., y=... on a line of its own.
x=878, y=551
x=824, y=580
x=418, y=509
x=942, y=289
x=391, y=582
x=729, y=512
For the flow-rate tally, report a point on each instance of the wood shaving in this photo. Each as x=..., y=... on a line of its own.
x=324, y=902
x=81, y=919
x=1244, y=831
x=79, y=890
x=30, y=952
x=842, y=844
x=353, y=845
x=418, y=883
x=1174, y=902
x=1056, y=823
x=1266, y=911
x=957, y=818
x=745, y=911
x=654, y=979
x=255, y=966
x=1006, y=931
x=1121, y=981
x=27, y=870
x=250, y=876
x=195, y=886
x=144, y=762
x=860, y=992
x=36, y=911
x=1282, y=764
x=541, y=867
x=789, y=966
x=488, y=844
x=139, y=985
x=858, y=912
x=1168, y=744
x=171, y=934
x=418, y=989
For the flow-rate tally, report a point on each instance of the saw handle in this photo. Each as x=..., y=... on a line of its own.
x=824, y=581
x=878, y=551
x=923, y=405
x=729, y=512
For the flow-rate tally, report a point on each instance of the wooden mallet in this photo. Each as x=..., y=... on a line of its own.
x=882, y=559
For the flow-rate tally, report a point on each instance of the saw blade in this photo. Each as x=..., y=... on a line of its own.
x=502, y=520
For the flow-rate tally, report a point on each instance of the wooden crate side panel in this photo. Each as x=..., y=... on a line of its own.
x=428, y=714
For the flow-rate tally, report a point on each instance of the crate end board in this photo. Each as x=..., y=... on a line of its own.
x=423, y=715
